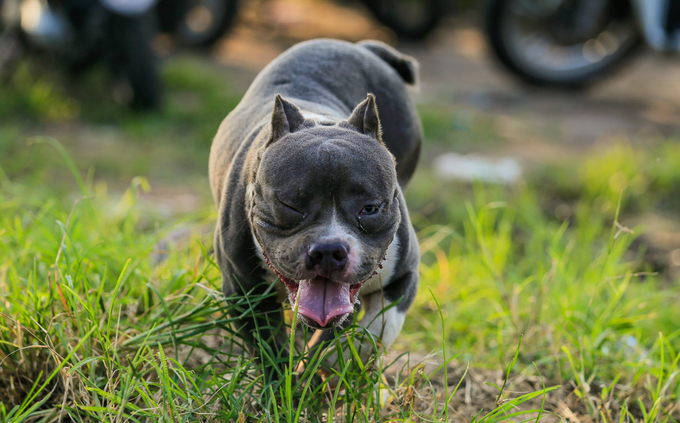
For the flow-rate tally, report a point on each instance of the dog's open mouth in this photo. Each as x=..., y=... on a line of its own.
x=320, y=299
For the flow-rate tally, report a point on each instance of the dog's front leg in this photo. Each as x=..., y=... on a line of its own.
x=383, y=321
x=385, y=312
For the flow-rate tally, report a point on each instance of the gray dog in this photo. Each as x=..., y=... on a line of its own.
x=309, y=187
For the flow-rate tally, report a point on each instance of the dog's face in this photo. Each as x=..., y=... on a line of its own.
x=324, y=206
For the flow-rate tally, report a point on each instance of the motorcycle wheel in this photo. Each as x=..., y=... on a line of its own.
x=411, y=20
x=520, y=37
x=134, y=61
x=206, y=21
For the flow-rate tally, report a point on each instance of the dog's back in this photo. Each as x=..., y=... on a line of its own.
x=326, y=78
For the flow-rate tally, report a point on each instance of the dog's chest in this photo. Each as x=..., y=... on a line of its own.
x=388, y=268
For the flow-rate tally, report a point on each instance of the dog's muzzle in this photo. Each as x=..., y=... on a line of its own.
x=321, y=299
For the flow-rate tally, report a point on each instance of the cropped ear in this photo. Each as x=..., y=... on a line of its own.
x=365, y=118
x=286, y=118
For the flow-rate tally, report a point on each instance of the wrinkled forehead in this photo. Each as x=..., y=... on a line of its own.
x=331, y=161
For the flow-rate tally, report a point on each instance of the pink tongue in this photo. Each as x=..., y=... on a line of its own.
x=321, y=299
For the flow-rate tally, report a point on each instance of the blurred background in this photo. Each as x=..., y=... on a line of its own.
x=511, y=91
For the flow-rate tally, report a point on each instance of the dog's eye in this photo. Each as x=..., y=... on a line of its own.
x=369, y=210
x=291, y=208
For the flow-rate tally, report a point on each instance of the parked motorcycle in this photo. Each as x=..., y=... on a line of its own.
x=79, y=33
x=200, y=23
x=571, y=43
x=411, y=20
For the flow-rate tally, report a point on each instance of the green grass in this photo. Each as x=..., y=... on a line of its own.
x=93, y=330
x=553, y=313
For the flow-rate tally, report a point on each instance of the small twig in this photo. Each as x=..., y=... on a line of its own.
x=63, y=402
x=382, y=298
x=622, y=229
x=21, y=349
x=468, y=392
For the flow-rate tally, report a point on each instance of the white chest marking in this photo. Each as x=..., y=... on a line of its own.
x=385, y=274
x=385, y=325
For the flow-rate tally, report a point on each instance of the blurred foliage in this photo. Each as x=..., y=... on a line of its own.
x=113, y=142
x=445, y=126
x=37, y=97
x=646, y=177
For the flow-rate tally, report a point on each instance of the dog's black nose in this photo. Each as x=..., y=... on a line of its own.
x=327, y=257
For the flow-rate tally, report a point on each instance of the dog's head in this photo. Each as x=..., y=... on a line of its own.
x=323, y=202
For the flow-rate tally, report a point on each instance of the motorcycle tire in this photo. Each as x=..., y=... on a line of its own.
x=497, y=16
x=206, y=21
x=169, y=14
x=409, y=26
x=135, y=62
